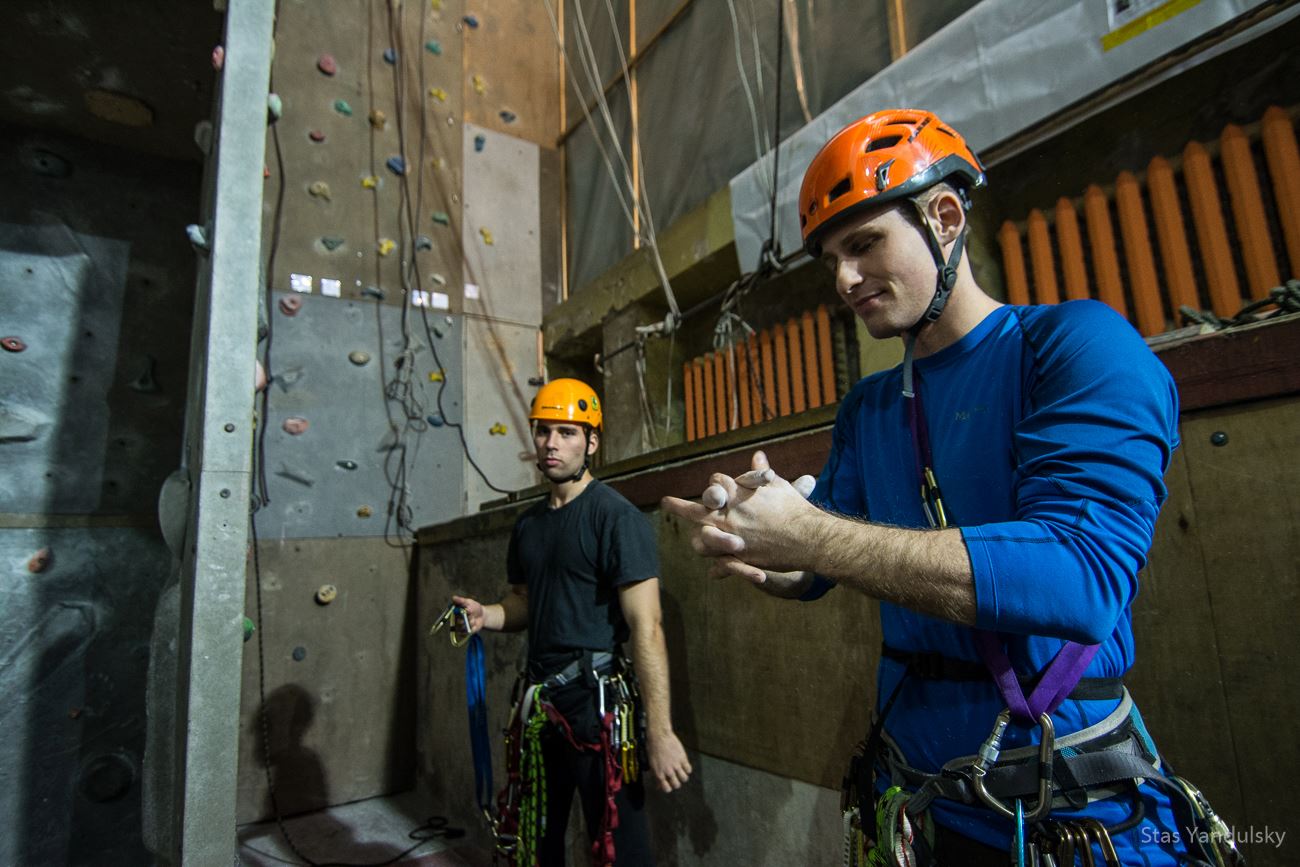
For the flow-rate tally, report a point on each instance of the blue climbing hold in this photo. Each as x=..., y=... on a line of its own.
x=471, y=22
x=390, y=55
x=433, y=46
x=480, y=142
x=397, y=165
x=435, y=420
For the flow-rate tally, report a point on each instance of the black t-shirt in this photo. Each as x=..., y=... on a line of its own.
x=573, y=559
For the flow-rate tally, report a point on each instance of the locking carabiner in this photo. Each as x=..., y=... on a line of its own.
x=448, y=619
x=988, y=757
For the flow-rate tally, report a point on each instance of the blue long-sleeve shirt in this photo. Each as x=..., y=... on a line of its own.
x=1051, y=429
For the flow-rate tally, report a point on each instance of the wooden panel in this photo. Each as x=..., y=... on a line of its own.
x=514, y=56
x=782, y=363
x=1211, y=231
x=798, y=398
x=767, y=384
x=720, y=413
x=1238, y=365
x=744, y=389
x=1013, y=264
x=1284, y=169
x=700, y=413
x=1069, y=239
x=1138, y=255
x=1248, y=211
x=1175, y=255
x=1040, y=259
x=1247, y=502
x=688, y=398
x=825, y=355
x=1101, y=241
x=710, y=398
x=810, y=365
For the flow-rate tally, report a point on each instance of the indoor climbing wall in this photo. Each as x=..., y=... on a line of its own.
x=405, y=250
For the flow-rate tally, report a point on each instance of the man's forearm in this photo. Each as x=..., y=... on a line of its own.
x=508, y=615
x=924, y=570
x=650, y=655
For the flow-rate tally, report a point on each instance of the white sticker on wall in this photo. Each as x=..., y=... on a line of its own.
x=419, y=298
x=441, y=301
x=471, y=291
x=330, y=287
x=300, y=282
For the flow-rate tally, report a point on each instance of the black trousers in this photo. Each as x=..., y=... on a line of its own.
x=568, y=769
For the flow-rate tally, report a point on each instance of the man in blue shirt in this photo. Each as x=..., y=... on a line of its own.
x=997, y=492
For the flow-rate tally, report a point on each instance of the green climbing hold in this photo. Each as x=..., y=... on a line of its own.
x=331, y=242
x=342, y=107
x=441, y=218
x=433, y=46
x=248, y=628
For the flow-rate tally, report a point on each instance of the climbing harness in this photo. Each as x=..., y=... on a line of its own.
x=521, y=804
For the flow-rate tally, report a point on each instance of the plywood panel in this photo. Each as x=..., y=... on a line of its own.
x=517, y=63
x=424, y=127
x=341, y=717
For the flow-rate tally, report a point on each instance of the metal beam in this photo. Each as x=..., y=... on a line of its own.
x=219, y=423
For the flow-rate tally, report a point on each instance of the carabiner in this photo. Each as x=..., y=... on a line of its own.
x=988, y=757
x=448, y=619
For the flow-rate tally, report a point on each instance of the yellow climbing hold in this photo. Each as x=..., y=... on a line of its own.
x=498, y=429
x=438, y=93
x=438, y=163
x=437, y=376
x=487, y=236
x=435, y=5
x=320, y=190
x=386, y=246
x=480, y=84
x=370, y=182
x=378, y=119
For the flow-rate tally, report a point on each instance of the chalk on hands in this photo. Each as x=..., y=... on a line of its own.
x=715, y=496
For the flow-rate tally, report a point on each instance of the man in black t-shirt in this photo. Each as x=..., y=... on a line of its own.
x=583, y=571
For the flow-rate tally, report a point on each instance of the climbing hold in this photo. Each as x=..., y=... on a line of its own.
x=386, y=246
x=295, y=425
x=145, y=382
x=451, y=120
x=40, y=561
x=198, y=237
x=316, y=135
x=299, y=654
x=248, y=628
x=433, y=46
x=331, y=242
x=438, y=93
x=266, y=172
x=390, y=56
x=507, y=115
x=202, y=139
x=370, y=181
x=326, y=594
x=438, y=279
x=346, y=465
x=359, y=358
x=441, y=218
x=436, y=5
x=365, y=512
x=342, y=107
x=377, y=118
x=290, y=305
x=480, y=142
x=437, y=376
x=435, y=420
x=320, y=190
x=424, y=242
x=486, y=235
x=274, y=105
x=218, y=57
x=396, y=165
x=12, y=344
x=326, y=64
x=498, y=429
x=373, y=292
x=471, y=22
x=479, y=82
x=438, y=163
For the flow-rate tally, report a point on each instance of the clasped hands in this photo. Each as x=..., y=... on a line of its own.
x=752, y=525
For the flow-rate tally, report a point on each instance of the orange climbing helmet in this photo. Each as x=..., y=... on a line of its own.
x=883, y=157
x=568, y=400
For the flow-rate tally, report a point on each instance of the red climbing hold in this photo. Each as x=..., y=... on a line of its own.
x=12, y=344
x=218, y=57
x=40, y=561
x=327, y=65
x=295, y=425
x=316, y=135
x=290, y=305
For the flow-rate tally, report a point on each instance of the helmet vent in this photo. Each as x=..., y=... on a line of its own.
x=881, y=143
x=839, y=189
x=946, y=131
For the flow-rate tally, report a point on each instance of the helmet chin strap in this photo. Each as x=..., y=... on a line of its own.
x=945, y=280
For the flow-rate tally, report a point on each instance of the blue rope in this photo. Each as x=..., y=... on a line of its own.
x=476, y=701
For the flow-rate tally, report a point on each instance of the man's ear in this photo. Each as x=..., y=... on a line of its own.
x=947, y=216
x=593, y=441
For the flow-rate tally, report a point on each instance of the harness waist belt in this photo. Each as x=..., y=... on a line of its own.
x=601, y=661
x=936, y=666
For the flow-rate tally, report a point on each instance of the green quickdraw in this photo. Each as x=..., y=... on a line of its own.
x=532, y=801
